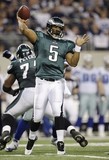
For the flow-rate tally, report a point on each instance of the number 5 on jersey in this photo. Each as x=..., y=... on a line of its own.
x=54, y=55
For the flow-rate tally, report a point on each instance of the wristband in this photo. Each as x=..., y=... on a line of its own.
x=12, y=58
x=77, y=48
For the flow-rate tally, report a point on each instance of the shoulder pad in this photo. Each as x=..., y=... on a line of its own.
x=40, y=34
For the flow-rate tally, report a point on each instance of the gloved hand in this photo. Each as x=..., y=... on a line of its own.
x=15, y=92
x=7, y=54
x=11, y=91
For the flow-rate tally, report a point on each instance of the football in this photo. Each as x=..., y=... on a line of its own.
x=24, y=12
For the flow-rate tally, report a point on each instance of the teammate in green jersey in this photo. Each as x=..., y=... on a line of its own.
x=51, y=52
x=23, y=70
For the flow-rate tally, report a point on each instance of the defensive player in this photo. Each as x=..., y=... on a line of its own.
x=88, y=89
x=104, y=97
x=51, y=51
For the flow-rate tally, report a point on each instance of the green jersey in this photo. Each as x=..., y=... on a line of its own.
x=50, y=55
x=24, y=71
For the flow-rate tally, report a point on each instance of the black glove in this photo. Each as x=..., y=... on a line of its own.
x=7, y=54
x=15, y=92
x=11, y=91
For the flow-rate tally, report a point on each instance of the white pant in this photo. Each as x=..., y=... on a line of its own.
x=22, y=103
x=48, y=112
x=48, y=91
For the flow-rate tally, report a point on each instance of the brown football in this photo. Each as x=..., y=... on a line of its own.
x=24, y=12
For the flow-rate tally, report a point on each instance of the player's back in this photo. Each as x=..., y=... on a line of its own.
x=24, y=71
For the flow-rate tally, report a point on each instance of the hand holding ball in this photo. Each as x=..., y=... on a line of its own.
x=24, y=12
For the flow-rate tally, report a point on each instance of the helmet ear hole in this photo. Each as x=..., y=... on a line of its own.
x=23, y=50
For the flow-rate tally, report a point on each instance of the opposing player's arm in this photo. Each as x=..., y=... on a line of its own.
x=73, y=59
x=29, y=33
x=101, y=90
x=100, y=86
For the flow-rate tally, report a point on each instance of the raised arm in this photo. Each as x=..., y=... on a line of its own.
x=27, y=32
x=73, y=59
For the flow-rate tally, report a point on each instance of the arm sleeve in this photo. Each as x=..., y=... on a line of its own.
x=39, y=35
x=70, y=46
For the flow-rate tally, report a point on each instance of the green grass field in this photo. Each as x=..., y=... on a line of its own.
x=97, y=149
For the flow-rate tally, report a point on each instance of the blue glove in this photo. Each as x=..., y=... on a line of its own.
x=7, y=54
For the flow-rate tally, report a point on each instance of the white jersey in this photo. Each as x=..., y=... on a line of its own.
x=104, y=76
x=87, y=79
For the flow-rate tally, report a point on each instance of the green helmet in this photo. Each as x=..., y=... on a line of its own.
x=55, y=21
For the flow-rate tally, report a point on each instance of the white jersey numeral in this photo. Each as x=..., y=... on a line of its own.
x=54, y=56
x=25, y=67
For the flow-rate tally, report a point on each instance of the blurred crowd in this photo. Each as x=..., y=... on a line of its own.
x=80, y=16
